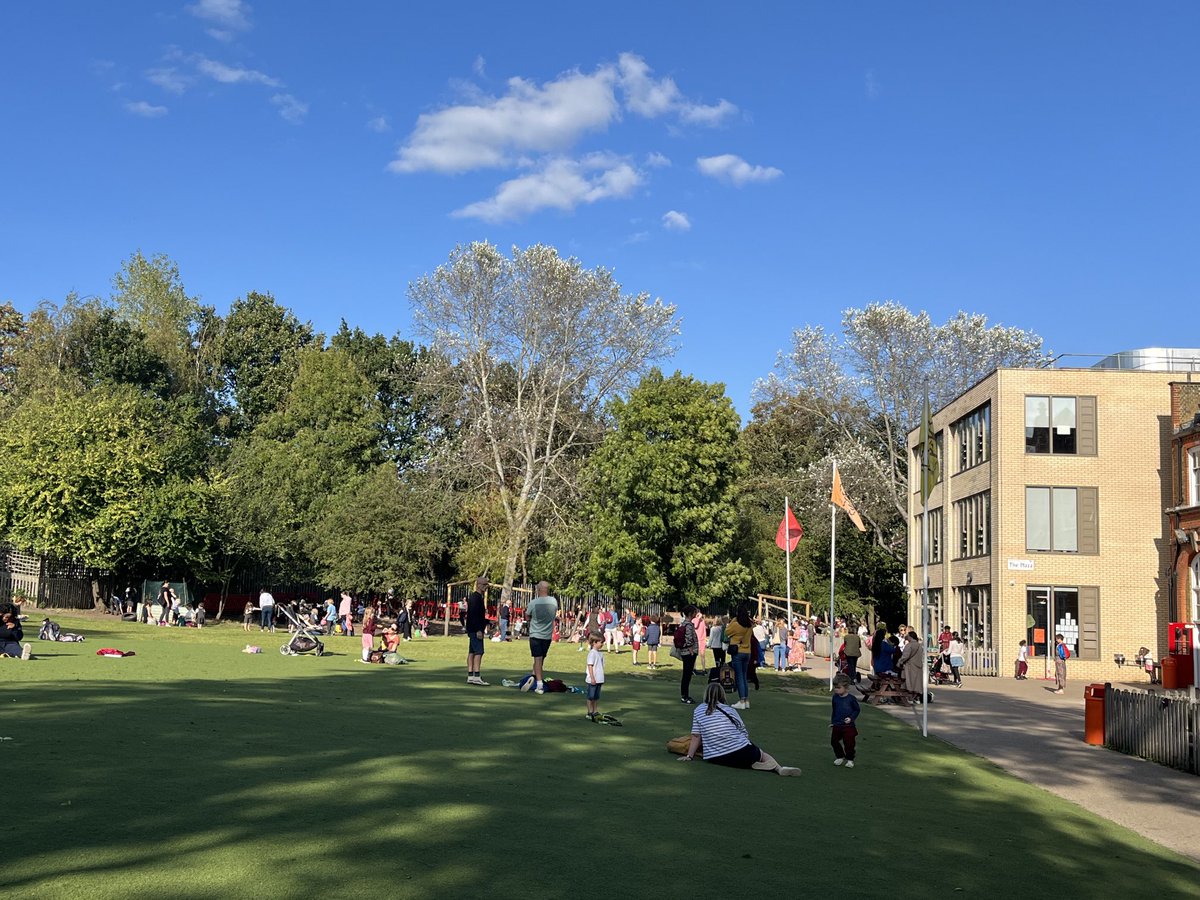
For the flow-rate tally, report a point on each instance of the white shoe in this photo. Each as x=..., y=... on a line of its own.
x=741, y=704
x=471, y=679
x=540, y=689
x=838, y=761
x=481, y=682
x=26, y=651
x=788, y=770
x=849, y=764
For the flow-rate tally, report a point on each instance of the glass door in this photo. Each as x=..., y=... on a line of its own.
x=1037, y=618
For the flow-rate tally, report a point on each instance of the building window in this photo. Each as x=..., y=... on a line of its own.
x=1193, y=458
x=935, y=536
x=1073, y=612
x=973, y=516
x=972, y=436
x=975, y=615
x=1195, y=579
x=1062, y=520
x=1065, y=425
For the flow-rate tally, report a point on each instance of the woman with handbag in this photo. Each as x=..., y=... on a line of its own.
x=739, y=635
x=958, y=653
x=686, y=649
x=720, y=730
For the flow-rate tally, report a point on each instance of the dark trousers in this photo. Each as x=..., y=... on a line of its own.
x=718, y=657
x=852, y=665
x=685, y=683
x=842, y=738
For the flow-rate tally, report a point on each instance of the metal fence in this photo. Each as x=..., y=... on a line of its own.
x=1163, y=728
x=44, y=581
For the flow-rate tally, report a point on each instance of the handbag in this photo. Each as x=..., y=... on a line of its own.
x=675, y=652
x=679, y=745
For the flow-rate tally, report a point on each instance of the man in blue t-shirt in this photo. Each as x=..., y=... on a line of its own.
x=541, y=612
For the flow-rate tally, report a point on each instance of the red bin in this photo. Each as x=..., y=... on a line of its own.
x=1093, y=714
x=1170, y=672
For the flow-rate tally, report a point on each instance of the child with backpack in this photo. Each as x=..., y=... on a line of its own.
x=1061, y=654
x=653, y=638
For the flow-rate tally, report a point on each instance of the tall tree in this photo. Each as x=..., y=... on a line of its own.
x=534, y=346
x=866, y=389
x=664, y=487
x=261, y=343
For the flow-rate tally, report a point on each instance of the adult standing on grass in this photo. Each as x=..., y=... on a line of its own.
x=718, y=728
x=476, y=623
x=266, y=603
x=716, y=641
x=701, y=626
x=404, y=620
x=1061, y=655
x=164, y=603
x=739, y=635
x=853, y=644
x=688, y=647
x=346, y=613
x=541, y=612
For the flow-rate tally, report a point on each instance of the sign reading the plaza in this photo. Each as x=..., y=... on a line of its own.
x=1020, y=565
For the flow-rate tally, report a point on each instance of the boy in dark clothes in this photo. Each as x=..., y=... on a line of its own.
x=842, y=733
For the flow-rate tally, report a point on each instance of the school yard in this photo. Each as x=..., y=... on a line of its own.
x=192, y=770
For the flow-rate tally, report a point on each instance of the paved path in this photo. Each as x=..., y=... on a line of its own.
x=1038, y=736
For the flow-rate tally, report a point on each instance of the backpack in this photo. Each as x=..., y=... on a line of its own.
x=1064, y=652
x=680, y=637
x=50, y=631
x=726, y=677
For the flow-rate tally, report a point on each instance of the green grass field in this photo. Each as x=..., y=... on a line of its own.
x=193, y=770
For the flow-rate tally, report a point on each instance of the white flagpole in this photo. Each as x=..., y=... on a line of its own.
x=832, y=560
x=788, y=532
x=925, y=592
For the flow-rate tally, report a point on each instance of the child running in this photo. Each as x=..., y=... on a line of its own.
x=842, y=731
x=595, y=674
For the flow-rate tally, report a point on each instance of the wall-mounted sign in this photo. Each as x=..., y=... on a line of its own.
x=1020, y=565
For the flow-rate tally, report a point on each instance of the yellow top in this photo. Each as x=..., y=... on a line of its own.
x=736, y=634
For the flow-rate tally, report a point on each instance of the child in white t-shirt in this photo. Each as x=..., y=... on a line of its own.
x=595, y=674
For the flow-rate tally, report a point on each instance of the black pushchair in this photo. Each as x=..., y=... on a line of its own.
x=305, y=639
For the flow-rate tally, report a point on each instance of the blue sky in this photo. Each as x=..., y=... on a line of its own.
x=761, y=166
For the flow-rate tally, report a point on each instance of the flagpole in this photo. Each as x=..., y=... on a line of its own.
x=925, y=491
x=832, y=559
x=787, y=518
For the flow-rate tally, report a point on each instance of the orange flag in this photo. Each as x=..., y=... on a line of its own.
x=839, y=498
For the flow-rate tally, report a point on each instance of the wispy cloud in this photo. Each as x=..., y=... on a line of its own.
x=291, y=109
x=673, y=220
x=379, y=124
x=561, y=184
x=480, y=66
x=145, y=110
x=656, y=160
x=225, y=17
x=169, y=79
x=871, y=85
x=735, y=170
x=219, y=71
x=637, y=237
x=651, y=97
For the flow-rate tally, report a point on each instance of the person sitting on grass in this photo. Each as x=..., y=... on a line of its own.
x=12, y=635
x=719, y=729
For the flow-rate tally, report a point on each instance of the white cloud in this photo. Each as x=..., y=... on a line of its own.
x=676, y=221
x=480, y=66
x=637, y=237
x=226, y=16
x=169, y=79
x=218, y=71
x=656, y=160
x=871, y=85
x=492, y=131
x=734, y=169
x=145, y=110
x=379, y=124
x=290, y=108
x=559, y=184
x=653, y=97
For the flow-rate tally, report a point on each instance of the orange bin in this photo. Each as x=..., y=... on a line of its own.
x=1093, y=714
x=1170, y=673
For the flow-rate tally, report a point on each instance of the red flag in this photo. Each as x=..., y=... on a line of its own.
x=789, y=533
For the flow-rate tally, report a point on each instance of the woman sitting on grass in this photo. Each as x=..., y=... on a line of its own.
x=719, y=729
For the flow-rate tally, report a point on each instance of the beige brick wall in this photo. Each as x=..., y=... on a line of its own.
x=1133, y=434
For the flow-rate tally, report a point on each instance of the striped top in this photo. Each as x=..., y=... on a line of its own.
x=718, y=733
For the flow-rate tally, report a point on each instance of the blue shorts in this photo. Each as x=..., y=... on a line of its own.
x=475, y=645
x=652, y=647
x=593, y=691
x=539, y=647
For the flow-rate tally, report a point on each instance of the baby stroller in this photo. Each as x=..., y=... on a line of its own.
x=305, y=639
x=937, y=670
